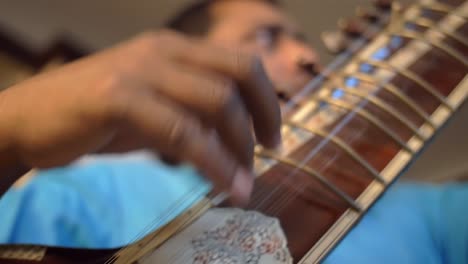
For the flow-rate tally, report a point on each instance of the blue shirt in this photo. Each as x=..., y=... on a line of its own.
x=111, y=203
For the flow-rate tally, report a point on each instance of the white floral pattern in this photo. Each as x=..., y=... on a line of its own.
x=244, y=238
x=226, y=236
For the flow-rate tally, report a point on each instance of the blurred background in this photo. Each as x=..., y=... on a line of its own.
x=97, y=24
x=92, y=25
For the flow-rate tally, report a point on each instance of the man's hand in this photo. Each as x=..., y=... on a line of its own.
x=181, y=97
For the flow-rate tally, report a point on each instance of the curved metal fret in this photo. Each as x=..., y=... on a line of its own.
x=340, y=143
x=386, y=108
x=424, y=22
x=397, y=93
x=311, y=172
x=369, y=117
x=415, y=78
x=416, y=36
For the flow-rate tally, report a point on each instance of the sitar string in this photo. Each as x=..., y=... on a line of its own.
x=159, y=220
x=316, y=150
x=324, y=76
x=350, y=115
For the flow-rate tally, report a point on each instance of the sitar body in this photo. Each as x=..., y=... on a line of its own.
x=347, y=138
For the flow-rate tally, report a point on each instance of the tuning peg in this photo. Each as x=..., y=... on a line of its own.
x=334, y=41
x=368, y=15
x=352, y=27
x=384, y=5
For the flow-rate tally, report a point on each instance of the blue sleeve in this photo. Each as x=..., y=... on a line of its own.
x=102, y=204
x=107, y=204
x=411, y=223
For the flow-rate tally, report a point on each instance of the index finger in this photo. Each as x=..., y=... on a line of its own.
x=255, y=87
x=169, y=129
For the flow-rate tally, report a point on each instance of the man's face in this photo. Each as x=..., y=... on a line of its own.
x=257, y=26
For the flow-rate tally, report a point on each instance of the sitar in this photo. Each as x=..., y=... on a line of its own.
x=348, y=135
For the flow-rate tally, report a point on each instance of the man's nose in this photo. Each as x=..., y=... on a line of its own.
x=307, y=59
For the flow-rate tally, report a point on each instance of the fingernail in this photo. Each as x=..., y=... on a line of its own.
x=242, y=186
